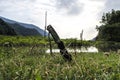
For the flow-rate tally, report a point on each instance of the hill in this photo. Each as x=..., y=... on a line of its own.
x=5, y=29
x=23, y=28
x=20, y=30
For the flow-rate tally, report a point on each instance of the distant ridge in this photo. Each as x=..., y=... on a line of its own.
x=25, y=25
x=6, y=29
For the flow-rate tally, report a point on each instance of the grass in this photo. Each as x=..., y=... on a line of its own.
x=27, y=63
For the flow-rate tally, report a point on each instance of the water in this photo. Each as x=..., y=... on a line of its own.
x=89, y=49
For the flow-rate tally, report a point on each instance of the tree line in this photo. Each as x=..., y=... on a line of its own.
x=109, y=31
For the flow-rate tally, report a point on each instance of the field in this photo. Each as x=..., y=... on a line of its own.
x=32, y=63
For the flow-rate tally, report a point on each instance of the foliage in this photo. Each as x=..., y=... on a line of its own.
x=109, y=31
x=107, y=46
x=26, y=63
x=71, y=42
x=111, y=17
x=38, y=40
x=22, y=40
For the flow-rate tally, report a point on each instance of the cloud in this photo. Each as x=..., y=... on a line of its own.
x=17, y=0
x=1, y=10
x=72, y=7
x=97, y=0
x=112, y=4
x=17, y=9
x=27, y=11
x=33, y=12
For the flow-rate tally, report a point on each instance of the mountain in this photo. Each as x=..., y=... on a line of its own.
x=5, y=29
x=94, y=39
x=16, y=29
x=23, y=25
x=20, y=30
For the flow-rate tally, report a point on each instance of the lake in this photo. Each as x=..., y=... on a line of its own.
x=89, y=49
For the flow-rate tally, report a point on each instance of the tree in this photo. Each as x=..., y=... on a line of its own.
x=110, y=28
x=111, y=17
x=109, y=32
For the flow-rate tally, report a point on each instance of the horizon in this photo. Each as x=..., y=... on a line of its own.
x=68, y=17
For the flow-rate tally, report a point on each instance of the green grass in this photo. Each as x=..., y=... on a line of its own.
x=27, y=63
x=22, y=40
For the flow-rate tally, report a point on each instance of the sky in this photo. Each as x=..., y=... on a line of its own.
x=68, y=17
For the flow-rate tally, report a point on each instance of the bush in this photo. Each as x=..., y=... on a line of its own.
x=106, y=46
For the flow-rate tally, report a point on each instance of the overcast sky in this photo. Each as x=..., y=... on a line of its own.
x=68, y=17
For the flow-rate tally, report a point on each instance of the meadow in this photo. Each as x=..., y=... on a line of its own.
x=25, y=58
x=32, y=63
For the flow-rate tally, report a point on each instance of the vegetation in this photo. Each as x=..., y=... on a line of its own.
x=72, y=42
x=107, y=46
x=27, y=63
x=110, y=28
x=109, y=32
x=111, y=17
x=38, y=40
x=25, y=57
x=22, y=40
